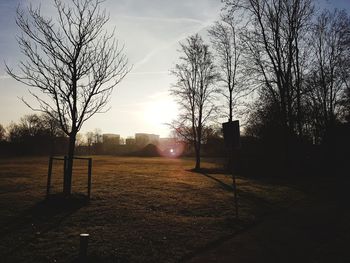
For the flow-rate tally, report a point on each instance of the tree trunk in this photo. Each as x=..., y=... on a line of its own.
x=198, y=141
x=198, y=158
x=231, y=107
x=67, y=185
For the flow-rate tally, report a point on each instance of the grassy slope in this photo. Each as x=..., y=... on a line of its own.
x=142, y=210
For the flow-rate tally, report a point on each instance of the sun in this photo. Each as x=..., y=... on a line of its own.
x=160, y=111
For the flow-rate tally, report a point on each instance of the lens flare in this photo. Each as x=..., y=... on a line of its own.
x=173, y=151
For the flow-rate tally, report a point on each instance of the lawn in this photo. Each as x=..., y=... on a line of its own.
x=141, y=209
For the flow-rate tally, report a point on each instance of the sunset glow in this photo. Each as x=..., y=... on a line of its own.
x=160, y=112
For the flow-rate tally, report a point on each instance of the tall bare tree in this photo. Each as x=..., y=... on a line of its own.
x=226, y=43
x=195, y=91
x=274, y=42
x=72, y=62
x=328, y=79
x=89, y=140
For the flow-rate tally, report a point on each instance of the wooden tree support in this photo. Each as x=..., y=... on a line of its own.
x=64, y=159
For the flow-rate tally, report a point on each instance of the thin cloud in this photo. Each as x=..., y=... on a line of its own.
x=170, y=43
x=5, y=77
x=149, y=72
x=163, y=19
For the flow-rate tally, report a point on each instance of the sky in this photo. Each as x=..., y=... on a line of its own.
x=151, y=31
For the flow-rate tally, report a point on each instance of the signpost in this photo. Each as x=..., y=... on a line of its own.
x=232, y=143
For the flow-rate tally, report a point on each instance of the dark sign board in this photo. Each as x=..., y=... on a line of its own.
x=231, y=134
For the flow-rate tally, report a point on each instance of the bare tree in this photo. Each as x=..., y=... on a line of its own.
x=89, y=140
x=79, y=140
x=72, y=62
x=225, y=41
x=98, y=138
x=275, y=48
x=2, y=133
x=328, y=78
x=194, y=91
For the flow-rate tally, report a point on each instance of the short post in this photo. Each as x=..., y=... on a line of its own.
x=84, y=239
x=89, y=178
x=49, y=173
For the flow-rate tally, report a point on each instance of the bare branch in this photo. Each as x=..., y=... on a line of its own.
x=73, y=61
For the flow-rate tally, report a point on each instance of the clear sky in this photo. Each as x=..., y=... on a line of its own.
x=151, y=31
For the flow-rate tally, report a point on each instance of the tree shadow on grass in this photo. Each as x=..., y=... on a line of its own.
x=252, y=206
x=249, y=197
x=221, y=184
x=215, y=170
x=207, y=173
x=43, y=217
x=256, y=172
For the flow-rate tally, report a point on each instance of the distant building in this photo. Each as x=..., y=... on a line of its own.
x=142, y=139
x=111, y=139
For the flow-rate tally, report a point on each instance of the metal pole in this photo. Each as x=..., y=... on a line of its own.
x=49, y=173
x=235, y=193
x=89, y=177
x=64, y=172
x=84, y=239
x=234, y=184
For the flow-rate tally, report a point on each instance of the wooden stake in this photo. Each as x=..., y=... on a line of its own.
x=89, y=177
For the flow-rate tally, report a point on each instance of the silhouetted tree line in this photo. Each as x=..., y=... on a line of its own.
x=315, y=97
x=284, y=69
x=33, y=135
x=298, y=61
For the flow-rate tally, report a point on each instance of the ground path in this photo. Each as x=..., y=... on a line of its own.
x=316, y=229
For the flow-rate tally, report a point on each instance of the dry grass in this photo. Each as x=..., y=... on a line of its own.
x=142, y=210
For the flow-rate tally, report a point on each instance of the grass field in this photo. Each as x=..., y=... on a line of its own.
x=142, y=209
